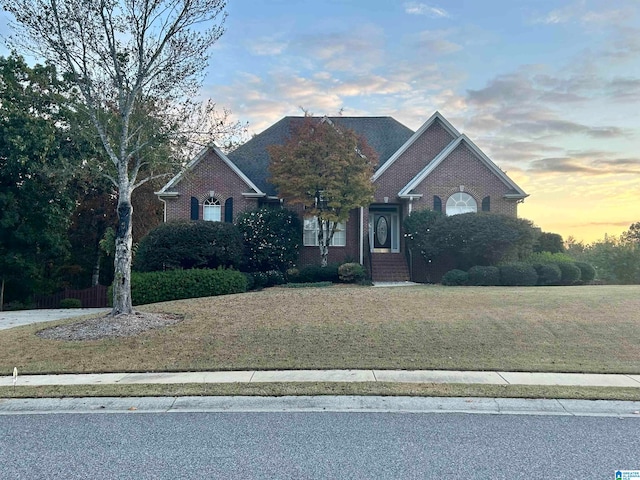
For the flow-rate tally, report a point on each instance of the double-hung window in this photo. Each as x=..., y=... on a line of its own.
x=310, y=236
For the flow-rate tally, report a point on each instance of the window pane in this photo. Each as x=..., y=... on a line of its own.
x=211, y=213
x=461, y=203
x=310, y=234
x=340, y=236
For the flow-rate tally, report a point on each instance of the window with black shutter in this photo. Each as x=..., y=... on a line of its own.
x=486, y=204
x=194, y=208
x=228, y=210
x=437, y=204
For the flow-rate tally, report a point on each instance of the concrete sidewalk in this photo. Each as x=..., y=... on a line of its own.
x=272, y=376
x=27, y=317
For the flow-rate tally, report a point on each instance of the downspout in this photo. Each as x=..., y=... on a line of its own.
x=164, y=209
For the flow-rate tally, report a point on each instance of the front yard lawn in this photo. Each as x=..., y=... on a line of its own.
x=556, y=329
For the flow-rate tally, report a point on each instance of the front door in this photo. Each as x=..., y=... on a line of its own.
x=382, y=231
x=384, y=228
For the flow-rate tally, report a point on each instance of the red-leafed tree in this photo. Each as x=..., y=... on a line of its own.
x=327, y=169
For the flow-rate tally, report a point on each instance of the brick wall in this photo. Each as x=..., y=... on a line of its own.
x=413, y=160
x=210, y=174
x=311, y=255
x=462, y=167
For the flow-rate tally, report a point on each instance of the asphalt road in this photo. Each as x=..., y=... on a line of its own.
x=316, y=446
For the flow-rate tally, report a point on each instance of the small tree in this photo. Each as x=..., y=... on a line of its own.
x=328, y=170
x=133, y=62
x=549, y=242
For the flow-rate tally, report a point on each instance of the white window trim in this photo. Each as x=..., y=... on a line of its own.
x=212, y=210
x=312, y=233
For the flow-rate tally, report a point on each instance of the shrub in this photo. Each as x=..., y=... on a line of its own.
x=518, y=274
x=250, y=281
x=315, y=273
x=549, y=242
x=542, y=258
x=351, y=272
x=455, y=277
x=570, y=273
x=587, y=272
x=308, y=285
x=153, y=287
x=548, y=274
x=274, y=277
x=271, y=238
x=484, y=276
x=186, y=245
x=70, y=303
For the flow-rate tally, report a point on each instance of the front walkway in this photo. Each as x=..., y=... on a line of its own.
x=272, y=376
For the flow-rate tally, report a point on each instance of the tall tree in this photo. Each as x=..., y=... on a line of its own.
x=328, y=170
x=35, y=204
x=133, y=63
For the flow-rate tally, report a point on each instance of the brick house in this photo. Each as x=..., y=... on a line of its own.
x=435, y=167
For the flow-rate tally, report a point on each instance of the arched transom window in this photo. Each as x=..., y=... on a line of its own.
x=211, y=210
x=461, y=202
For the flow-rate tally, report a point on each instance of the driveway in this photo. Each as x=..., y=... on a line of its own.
x=26, y=317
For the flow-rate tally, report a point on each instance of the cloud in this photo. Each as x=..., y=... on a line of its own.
x=359, y=49
x=588, y=163
x=561, y=165
x=415, y=8
x=266, y=46
x=435, y=42
x=578, y=12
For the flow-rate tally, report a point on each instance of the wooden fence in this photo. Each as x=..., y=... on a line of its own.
x=94, y=297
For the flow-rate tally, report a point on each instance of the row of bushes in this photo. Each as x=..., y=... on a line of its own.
x=153, y=287
x=333, y=273
x=523, y=274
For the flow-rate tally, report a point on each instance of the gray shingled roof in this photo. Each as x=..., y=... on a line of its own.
x=384, y=134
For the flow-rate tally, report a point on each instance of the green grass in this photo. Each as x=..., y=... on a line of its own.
x=282, y=389
x=546, y=329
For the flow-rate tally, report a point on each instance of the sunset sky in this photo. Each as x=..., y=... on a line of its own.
x=550, y=90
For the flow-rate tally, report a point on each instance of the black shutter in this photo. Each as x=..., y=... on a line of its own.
x=437, y=204
x=486, y=204
x=194, y=208
x=228, y=210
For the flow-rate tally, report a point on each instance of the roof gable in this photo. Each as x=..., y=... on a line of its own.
x=166, y=190
x=436, y=117
x=517, y=192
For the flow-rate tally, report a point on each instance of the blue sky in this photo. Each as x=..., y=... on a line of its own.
x=550, y=90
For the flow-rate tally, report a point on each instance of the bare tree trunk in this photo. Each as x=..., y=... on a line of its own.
x=123, y=254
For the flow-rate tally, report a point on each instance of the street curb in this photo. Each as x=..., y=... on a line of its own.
x=318, y=404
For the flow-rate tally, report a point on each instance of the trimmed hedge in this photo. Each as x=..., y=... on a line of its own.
x=314, y=273
x=484, y=276
x=548, y=274
x=70, y=303
x=351, y=272
x=570, y=273
x=455, y=277
x=518, y=274
x=308, y=285
x=588, y=273
x=153, y=287
x=258, y=280
x=185, y=245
